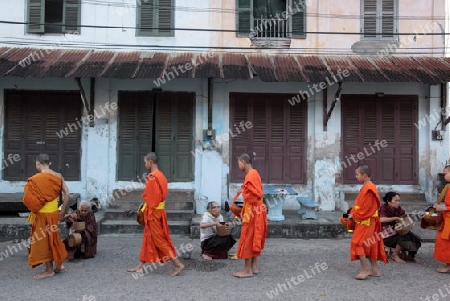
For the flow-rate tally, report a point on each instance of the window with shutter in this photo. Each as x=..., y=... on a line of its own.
x=58, y=135
x=53, y=16
x=263, y=19
x=276, y=138
x=156, y=18
x=366, y=122
x=379, y=19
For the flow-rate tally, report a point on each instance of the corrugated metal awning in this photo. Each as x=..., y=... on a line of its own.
x=63, y=63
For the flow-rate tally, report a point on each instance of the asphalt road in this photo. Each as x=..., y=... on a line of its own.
x=291, y=269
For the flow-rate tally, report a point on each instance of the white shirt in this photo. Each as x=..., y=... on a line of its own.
x=210, y=231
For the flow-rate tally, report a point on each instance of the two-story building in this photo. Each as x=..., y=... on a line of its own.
x=309, y=88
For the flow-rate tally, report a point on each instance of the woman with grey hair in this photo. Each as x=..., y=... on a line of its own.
x=214, y=246
x=88, y=246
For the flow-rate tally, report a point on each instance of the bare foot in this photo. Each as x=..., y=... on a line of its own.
x=44, y=275
x=415, y=260
x=445, y=269
x=375, y=273
x=206, y=257
x=397, y=259
x=59, y=269
x=242, y=274
x=256, y=271
x=177, y=270
x=362, y=275
x=137, y=269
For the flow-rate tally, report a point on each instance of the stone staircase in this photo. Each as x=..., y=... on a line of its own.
x=410, y=202
x=180, y=208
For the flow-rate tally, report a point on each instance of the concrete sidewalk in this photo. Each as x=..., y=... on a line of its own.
x=291, y=269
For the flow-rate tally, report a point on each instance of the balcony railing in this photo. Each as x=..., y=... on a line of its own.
x=271, y=28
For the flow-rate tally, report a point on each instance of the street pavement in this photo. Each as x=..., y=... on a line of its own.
x=291, y=269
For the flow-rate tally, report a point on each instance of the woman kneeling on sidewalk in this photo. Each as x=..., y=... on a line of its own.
x=391, y=213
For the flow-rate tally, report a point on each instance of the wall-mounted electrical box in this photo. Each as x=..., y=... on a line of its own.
x=209, y=134
x=437, y=135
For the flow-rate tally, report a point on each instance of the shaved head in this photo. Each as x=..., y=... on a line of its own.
x=364, y=169
x=246, y=158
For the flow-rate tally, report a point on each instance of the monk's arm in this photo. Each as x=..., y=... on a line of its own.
x=251, y=193
x=66, y=197
x=365, y=207
x=152, y=195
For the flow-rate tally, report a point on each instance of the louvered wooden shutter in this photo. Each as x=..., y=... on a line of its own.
x=244, y=19
x=387, y=18
x=70, y=113
x=166, y=18
x=72, y=16
x=36, y=16
x=183, y=137
x=145, y=17
x=406, y=142
x=294, y=165
x=352, y=132
x=156, y=17
x=164, y=134
x=239, y=111
x=135, y=133
x=298, y=19
x=276, y=124
x=370, y=18
x=386, y=156
x=14, y=128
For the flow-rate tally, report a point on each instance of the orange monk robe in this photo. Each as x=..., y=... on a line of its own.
x=442, y=245
x=45, y=241
x=254, y=217
x=366, y=239
x=157, y=245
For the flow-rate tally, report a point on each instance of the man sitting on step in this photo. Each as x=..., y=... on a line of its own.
x=215, y=245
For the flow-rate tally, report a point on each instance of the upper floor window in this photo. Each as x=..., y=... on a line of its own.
x=155, y=18
x=53, y=16
x=379, y=19
x=271, y=18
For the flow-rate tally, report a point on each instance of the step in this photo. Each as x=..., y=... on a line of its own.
x=405, y=197
x=136, y=195
x=172, y=215
x=13, y=202
x=132, y=227
x=170, y=204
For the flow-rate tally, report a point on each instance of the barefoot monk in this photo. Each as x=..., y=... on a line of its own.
x=366, y=241
x=254, y=219
x=157, y=246
x=41, y=197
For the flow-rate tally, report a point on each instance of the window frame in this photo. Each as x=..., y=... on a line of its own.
x=40, y=28
x=155, y=31
x=249, y=34
x=379, y=23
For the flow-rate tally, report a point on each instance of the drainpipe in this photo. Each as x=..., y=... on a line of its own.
x=210, y=101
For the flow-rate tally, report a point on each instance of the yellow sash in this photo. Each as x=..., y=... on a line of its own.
x=160, y=206
x=49, y=207
x=366, y=222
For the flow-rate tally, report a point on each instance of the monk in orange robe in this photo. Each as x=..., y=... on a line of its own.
x=442, y=244
x=157, y=245
x=367, y=240
x=254, y=219
x=41, y=197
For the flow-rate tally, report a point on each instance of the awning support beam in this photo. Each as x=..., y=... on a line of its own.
x=327, y=115
x=88, y=105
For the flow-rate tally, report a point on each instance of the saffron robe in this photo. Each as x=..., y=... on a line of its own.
x=45, y=240
x=367, y=237
x=254, y=217
x=157, y=245
x=88, y=246
x=442, y=244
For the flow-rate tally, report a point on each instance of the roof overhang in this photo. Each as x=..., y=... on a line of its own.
x=66, y=63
